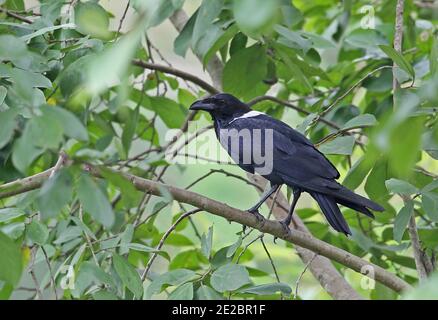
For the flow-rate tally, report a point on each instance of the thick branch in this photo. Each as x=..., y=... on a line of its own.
x=214, y=207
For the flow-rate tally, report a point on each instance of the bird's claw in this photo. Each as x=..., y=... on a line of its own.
x=259, y=217
x=285, y=225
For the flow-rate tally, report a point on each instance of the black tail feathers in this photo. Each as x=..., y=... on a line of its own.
x=330, y=209
x=332, y=213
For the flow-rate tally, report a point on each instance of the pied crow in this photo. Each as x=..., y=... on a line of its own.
x=261, y=144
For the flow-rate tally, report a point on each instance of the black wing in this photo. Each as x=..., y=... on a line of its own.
x=293, y=154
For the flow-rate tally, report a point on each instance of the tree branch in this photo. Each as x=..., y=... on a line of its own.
x=214, y=207
x=16, y=16
x=178, y=73
x=398, y=38
x=419, y=255
x=292, y=106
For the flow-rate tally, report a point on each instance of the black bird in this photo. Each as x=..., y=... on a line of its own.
x=294, y=159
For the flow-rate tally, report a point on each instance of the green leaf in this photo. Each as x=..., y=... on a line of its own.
x=8, y=214
x=45, y=131
x=357, y=173
x=255, y=17
x=207, y=13
x=430, y=187
x=375, y=185
x=174, y=278
x=295, y=69
x=96, y=274
x=84, y=227
x=6, y=291
x=130, y=195
x=55, y=193
x=184, y=38
x=238, y=43
x=400, y=186
x=217, y=38
x=398, y=58
x=206, y=293
x=24, y=151
x=42, y=31
x=110, y=65
x=37, y=232
x=94, y=201
x=11, y=48
x=268, y=289
x=365, y=38
x=171, y=112
x=104, y=295
x=244, y=71
x=3, y=93
x=340, y=145
x=428, y=290
x=293, y=39
x=7, y=126
x=430, y=205
x=92, y=19
x=233, y=248
x=129, y=130
x=183, y=292
x=403, y=156
x=155, y=11
x=206, y=243
x=363, y=120
x=68, y=234
x=72, y=127
x=229, y=277
x=10, y=262
x=129, y=276
x=433, y=57
x=402, y=219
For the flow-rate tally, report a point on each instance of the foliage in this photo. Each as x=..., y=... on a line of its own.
x=67, y=83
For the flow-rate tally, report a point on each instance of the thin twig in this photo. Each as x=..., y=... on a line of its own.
x=178, y=73
x=61, y=161
x=87, y=238
x=16, y=16
x=39, y=294
x=302, y=274
x=292, y=106
x=163, y=239
x=247, y=246
x=122, y=18
x=346, y=93
x=270, y=259
x=52, y=278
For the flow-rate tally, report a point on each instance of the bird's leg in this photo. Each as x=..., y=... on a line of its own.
x=286, y=222
x=255, y=209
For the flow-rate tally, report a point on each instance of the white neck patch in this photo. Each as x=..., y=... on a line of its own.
x=249, y=114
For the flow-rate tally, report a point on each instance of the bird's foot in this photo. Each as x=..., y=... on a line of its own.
x=260, y=219
x=285, y=225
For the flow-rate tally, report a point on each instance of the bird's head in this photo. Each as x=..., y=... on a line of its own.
x=221, y=105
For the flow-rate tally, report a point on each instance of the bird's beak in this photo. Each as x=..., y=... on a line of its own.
x=202, y=105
